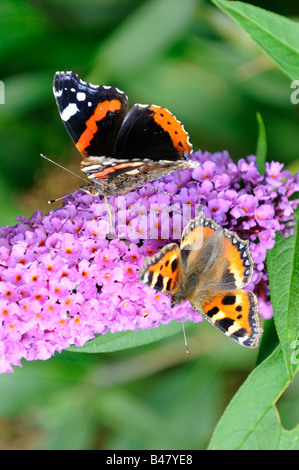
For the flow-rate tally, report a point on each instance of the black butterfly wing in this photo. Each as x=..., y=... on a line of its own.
x=152, y=132
x=92, y=114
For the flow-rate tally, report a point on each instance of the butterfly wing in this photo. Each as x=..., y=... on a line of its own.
x=91, y=114
x=236, y=251
x=152, y=132
x=235, y=313
x=196, y=235
x=219, y=259
x=162, y=271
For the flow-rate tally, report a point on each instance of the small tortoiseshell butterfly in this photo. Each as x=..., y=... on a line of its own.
x=209, y=269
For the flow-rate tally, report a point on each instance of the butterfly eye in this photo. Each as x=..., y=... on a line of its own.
x=193, y=282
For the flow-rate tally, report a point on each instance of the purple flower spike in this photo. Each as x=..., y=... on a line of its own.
x=62, y=281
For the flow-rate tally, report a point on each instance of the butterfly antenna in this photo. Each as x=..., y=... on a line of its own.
x=184, y=333
x=111, y=234
x=64, y=168
x=62, y=197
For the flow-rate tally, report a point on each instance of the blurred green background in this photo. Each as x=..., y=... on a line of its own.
x=182, y=54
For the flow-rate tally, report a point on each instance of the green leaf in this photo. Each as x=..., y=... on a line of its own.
x=251, y=421
x=110, y=342
x=283, y=269
x=261, y=147
x=275, y=34
x=269, y=340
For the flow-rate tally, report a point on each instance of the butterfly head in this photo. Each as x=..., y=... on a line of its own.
x=91, y=189
x=176, y=299
x=187, y=290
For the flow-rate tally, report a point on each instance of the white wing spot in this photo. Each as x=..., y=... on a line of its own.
x=69, y=111
x=81, y=96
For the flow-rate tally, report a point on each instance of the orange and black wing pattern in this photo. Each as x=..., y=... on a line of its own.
x=236, y=251
x=92, y=114
x=235, y=313
x=162, y=271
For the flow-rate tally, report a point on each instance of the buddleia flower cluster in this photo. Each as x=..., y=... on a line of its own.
x=64, y=278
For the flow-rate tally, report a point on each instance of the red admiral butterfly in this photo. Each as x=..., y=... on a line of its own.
x=120, y=150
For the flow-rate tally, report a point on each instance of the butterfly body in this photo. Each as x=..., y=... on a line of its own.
x=209, y=268
x=121, y=150
x=123, y=177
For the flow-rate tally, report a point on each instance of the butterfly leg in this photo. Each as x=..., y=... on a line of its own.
x=156, y=190
x=110, y=234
